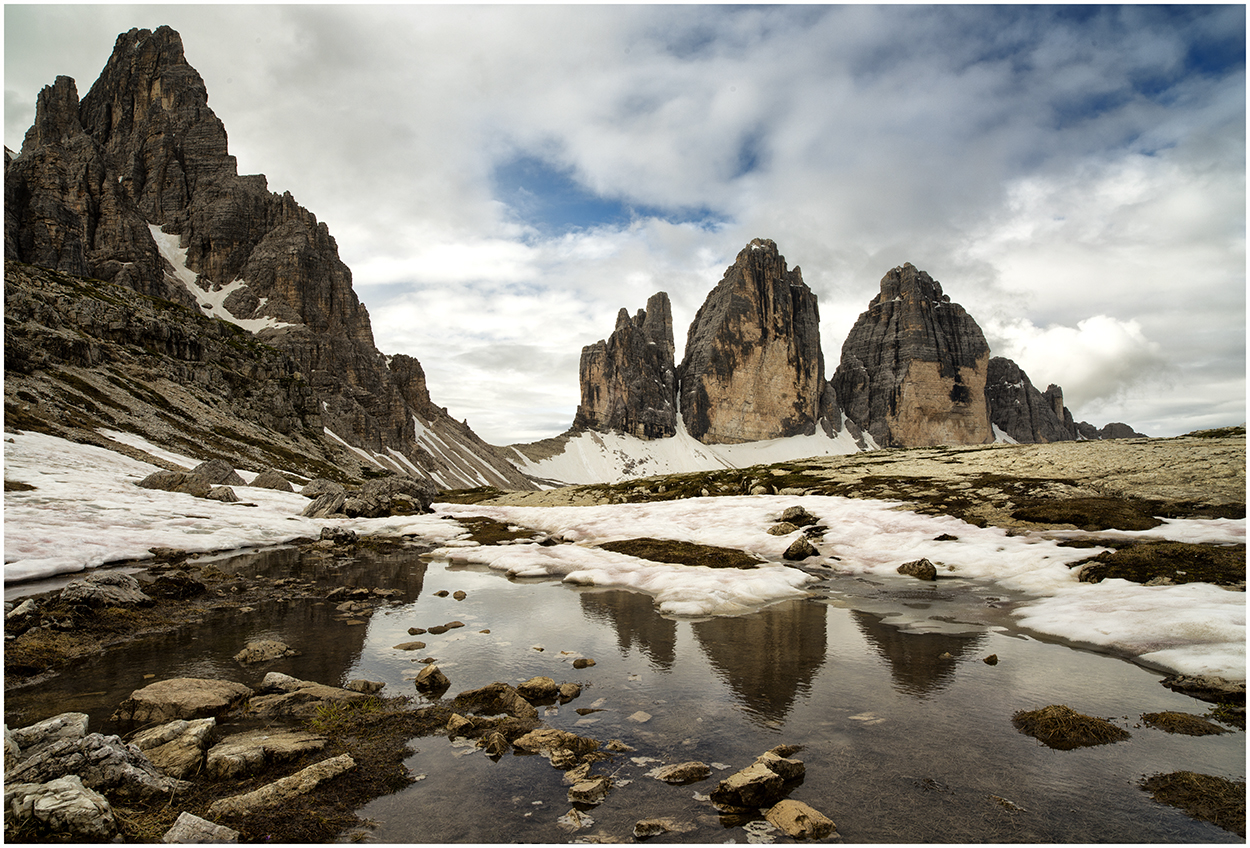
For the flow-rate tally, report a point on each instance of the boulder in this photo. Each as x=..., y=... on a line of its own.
x=784, y=767
x=432, y=682
x=37, y=737
x=391, y=496
x=176, y=481
x=495, y=744
x=569, y=691
x=799, y=821
x=290, y=696
x=281, y=791
x=322, y=486
x=368, y=687
x=264, y=650
x=190, y=829
x=921, y=569
x=62, y=808
x=181, y=697
x=103, y=763
x=339, y=536
x=218, y=472
x=225, y=494
x=591, y=790
x=271, y=479
x=328, y=505
x=106, y=589
x=177, y=748
x=682, y=773
x=539, y=689
x=243, y=754
x=494, y=699
x=754, y=786
x=583, y=662
x=800, y=549
x=782, y=528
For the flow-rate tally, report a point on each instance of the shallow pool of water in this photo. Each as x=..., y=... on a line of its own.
x=906, y=731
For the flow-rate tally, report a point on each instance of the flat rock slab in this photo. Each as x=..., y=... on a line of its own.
x=181, y=697
x=280, y=791
x=681, y=773
x=190, y=829
x=754, y=786
x=243, y=753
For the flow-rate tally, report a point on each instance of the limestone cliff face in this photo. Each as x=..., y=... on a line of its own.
x=753, y=367
x=135, y=185
x=1021, y=411
x=914, y=367
x=628, y=382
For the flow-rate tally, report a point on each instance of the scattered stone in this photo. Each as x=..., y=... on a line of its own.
x=328, y=505
x=921, y=569
x=452, y=625
x=495, y=744
x=218, y=472
x=441, y=593
x=439, y=629
x=574, y=820
x=583, y=662
x=106, y=589
x=190, y=829
x=683, y=773
x=271, y=479
x=797, y=515
x=992, y=659
x=782, y=528
x=416, y=631
x=1063, y=728
x=800, y=549
x=494, y=699
x=62, y=807
x=366, y=687
x=799, y=821
x=539, y=689
x=225, y=494
x=242, y=755
x=640, y=717
x=459, y=596
x=181, y=697
x=177, y=748
x=409, y=646
x=647, y=828
x=280, y=791
x=339, y=536
x=569, y=691
x=432, y=682
x=264, y=650
x=754, y=786
x=290, y=696
x=590, y=791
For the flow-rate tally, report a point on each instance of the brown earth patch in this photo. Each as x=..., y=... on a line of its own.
x=1202, y=796
x=682, y=553
x=1179, y=562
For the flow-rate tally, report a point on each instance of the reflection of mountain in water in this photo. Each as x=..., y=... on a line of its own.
x=635, y=620
x=914, y=658
x=768, y=657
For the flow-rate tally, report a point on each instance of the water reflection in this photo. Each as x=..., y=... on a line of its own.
x=767, y=658
x=632, y=615
x=916, y=662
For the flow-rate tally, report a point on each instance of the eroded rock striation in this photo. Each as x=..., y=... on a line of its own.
x=753, y=367
x=914, y=367
x=628, y=382
x=134, y=185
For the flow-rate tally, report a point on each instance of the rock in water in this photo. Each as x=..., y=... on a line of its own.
x=914, y=367
x=629, y=382
x=753, y=367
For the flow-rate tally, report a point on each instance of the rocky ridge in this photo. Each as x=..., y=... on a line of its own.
x=134, y=185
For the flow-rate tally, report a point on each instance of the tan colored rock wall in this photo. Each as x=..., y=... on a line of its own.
x=937, y=410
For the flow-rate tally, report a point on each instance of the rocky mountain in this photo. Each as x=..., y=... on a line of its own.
x=914, y=367
x=628, y=383
x=1018, y=409
x=134, y=185
x=753, y=367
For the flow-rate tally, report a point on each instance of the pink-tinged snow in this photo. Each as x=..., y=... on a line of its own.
x=1191, y=629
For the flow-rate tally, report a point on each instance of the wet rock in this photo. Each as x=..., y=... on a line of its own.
x=495, y=744
x=62, y=808
x=800, y=549
x=103, y=763
x=590, y=791
x=495, y=699
x=452, y=625
x=992, y=659
x=459, y=596
x=439, y=629
x=281, y=791
x=682, y=773
x=409, y=646
x=757, y=785
x=416, y=631
x=175, y=585
x=921, y=569
x=799, y=821
x=264, y=650
x=647, y=828
x=271, y=479
x=782, y=528
x=329, y=505
x=432, y=682
x=177, y=748
x=367, y=687
x=321, y=486
x=569, y=691
x=106, y=589
x=298, y=698
x=38, y=737
x=225, y=494
x=783, y=767
x=546, y=740
x=583, y=662
x=243, y=754
x=339, y=536
x=616, y=746
x=190, y=829
x=1207, y=687
x=574, y=820
x=181, y=697
x=539, y=689
x=458, y=725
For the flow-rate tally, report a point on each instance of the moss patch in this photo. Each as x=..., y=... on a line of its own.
x=1063, y=728
x=682, y=553
x=1183, y=723
x=1202, y=796
x=469, y=496
x=1090, y=514
x=488, y=531
x=1180, y=562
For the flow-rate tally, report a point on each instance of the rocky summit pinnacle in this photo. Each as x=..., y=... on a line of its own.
x=914, y=367
x=753, y=367
x=135, y=185
x=628, y=382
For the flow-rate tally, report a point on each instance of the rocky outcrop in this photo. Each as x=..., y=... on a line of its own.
x=135, y=185
x=914, y=367
x=628, y=383
x=1022, y=412
x=753, y=367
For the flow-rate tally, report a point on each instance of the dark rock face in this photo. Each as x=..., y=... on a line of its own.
x=628, y=382
x=135, y=185
x=914, y=366
x=1021, y=411
x=753, y=367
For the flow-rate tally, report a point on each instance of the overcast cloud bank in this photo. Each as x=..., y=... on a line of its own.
x=502, y=180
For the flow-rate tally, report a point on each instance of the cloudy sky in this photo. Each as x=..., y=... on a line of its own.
x=503, y=179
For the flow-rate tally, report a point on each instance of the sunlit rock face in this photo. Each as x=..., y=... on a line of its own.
x=628, y=382
x=914, y=367
x=753, y=367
